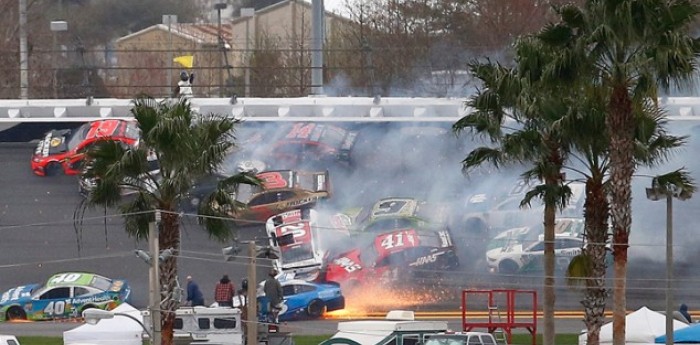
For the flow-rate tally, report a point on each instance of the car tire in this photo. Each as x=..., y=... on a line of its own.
x=52, y=169
x=15, y=313
x=316, y=308
x=507, y=266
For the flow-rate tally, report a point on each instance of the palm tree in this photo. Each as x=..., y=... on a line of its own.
x=532, y=138
x=187, y=148
x=629, y=48
x=652, y=144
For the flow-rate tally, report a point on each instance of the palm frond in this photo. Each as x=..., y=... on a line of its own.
x=579, y=269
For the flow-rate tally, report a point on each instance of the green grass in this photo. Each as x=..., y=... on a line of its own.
x=524, y=339
x=30, y=340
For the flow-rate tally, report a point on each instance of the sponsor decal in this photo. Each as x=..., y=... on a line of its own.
x=45, y=145
x=347, y=264
x=91, y=299
x=56, y=141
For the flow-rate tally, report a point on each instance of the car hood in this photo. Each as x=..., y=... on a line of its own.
x=54, y=142
x=18, y=294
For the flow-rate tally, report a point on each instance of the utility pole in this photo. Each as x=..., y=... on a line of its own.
x=23, y=52
x=170, y=19
x=317, y=18
x=154, y=279
x=222, y=46
x=247, y=12
x=252, y=303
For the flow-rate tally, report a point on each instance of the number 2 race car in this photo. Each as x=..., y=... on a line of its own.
x=65, y=149
x=64, y=295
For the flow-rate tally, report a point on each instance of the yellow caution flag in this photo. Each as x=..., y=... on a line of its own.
x=185, y=60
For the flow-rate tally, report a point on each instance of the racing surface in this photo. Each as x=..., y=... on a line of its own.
x=39, y=235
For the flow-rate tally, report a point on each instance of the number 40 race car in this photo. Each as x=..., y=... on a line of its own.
x=64, y=295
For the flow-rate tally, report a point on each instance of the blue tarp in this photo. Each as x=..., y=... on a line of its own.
x=686, y=335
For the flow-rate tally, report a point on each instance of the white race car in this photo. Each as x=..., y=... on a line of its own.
x=521, y=257
x=296, y=235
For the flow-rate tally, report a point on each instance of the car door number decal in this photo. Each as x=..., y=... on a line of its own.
x=301, y=131
x=55, y=308
x=389, y=207
x=396, y=240
x=272, y=180
x=65, y=278
x=297, y=230
x=104, y=129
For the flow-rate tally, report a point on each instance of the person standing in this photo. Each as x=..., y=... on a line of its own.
x=223, y=293
x=184, y=86
x=273, y=292
x=194, y=295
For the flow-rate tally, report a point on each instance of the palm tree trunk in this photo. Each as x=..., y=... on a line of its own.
x=549, y=297
x=620, y=123
x=169, y=237
x=596, y=212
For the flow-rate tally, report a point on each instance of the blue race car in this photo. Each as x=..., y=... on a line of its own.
x=64, y=295
x=304, y=300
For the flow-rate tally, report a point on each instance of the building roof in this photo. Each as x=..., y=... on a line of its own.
x=305, y=3
x=199, y=33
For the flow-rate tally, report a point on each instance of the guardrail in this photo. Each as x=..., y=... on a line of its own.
x=253, y=109
x=316, y=108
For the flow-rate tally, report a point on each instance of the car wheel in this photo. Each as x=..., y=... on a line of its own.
x=84, y=308
x=15, y=313
x=53, y=169
x=316, y=308
x=508, y=267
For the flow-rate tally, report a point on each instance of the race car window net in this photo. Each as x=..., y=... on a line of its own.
x=77, y=136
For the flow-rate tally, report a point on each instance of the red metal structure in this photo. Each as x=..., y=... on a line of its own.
x=495, y=319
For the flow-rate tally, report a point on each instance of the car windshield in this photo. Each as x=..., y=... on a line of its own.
x=296, y=253
x=77, y=136
x=390, y=224
x=446, y=341
x=333, y=136
x=101, y=283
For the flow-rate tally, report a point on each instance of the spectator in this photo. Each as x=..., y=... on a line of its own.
x=684, y=312
x=184, y=86
x=223, y=294
x=194, y=295
x=273, y=292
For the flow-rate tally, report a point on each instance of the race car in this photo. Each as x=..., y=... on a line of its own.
x=298, y=238
x=393, y=257
x=281, y=190
x=392, y=213
x=64, y=150
x=129, y=186
x=518, y=257
x=312, y=145
x=64, y=295
x=302, y=299
x=529, y=234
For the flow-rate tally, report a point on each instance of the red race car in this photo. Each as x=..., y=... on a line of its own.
x=393, y=257
x=65, y=149
x=313, y=145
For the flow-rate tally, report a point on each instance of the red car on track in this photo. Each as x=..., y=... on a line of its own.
x=65, y=149
x=393, y=256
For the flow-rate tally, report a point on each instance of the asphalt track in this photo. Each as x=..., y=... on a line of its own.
x=38, y=238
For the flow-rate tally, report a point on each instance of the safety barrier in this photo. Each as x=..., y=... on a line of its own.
x=317, y=108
